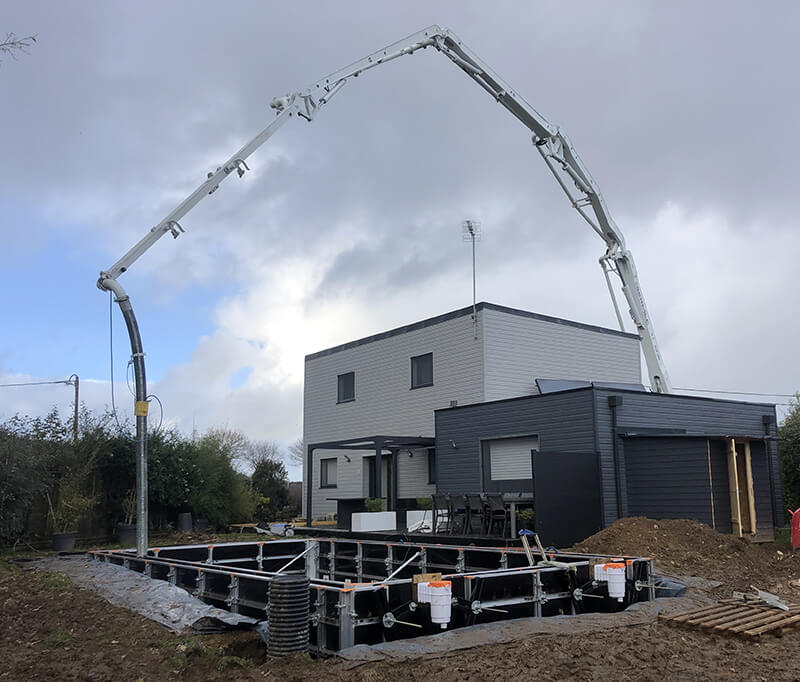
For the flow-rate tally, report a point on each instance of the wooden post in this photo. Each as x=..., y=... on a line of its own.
x=733, y=486
x=751, y=500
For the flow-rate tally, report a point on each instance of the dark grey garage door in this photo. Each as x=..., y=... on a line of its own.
x=668, y=478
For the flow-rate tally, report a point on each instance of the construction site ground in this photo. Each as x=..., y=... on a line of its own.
x=51, y=629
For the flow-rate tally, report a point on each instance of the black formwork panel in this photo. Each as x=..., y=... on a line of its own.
x=188, y=553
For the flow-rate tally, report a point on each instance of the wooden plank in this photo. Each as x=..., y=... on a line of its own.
x=733, y=488
x=766, y=619
x=680, y=617
x=734, y=617
x=766, y=628
x=733, y=612
x=753, y=620
x=751, y=500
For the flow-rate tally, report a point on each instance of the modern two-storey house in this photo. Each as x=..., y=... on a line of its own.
x=369, y=405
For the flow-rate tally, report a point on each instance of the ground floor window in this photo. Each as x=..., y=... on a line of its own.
x=327, y=473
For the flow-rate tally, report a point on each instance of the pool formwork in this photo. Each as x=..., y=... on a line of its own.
x=364, y=591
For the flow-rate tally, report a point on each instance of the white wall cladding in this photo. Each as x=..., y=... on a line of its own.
x=510, y=458
x=412, y=474
x=519, y=349
x=511, y=351
x=384, y=402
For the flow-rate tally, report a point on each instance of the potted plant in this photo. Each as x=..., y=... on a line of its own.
x=70, y=507
x=127, y=531
x=375, y=518
x=526, y=519
x=373, y=504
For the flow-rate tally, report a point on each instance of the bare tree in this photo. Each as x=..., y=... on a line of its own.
x=11, y=45
x=256, y=452
x=297, y=452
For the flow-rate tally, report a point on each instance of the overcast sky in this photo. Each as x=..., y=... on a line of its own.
x=685, y=113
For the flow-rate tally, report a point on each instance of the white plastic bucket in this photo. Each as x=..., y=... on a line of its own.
x=614, y=575
x=440, y=593
x=423, y=593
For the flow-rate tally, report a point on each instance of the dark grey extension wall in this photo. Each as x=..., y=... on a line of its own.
x=581, y=421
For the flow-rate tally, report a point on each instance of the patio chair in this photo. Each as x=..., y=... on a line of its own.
x=442, y=513
x=476, y=509
x=458, y=511
x=498, y=513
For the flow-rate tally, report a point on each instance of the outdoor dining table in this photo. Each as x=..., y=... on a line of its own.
x=513, y=500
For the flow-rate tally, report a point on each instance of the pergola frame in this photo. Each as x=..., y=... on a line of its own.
x=376, y=444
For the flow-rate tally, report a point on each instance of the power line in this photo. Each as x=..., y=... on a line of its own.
x=38, y=383
x=763, y=395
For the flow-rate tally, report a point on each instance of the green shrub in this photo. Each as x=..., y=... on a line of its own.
x=374, y=504
x=526, y=518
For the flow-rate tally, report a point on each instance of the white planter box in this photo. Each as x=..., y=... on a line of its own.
x=414, y=516
x=374, y=521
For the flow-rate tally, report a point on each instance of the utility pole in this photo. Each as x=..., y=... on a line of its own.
x=74, y=381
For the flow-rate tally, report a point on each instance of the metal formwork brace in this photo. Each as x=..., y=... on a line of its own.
x=359, y=559
x=460, y=563
x=389, y=560
x=200, y=584
x=307, y=550
x=537, y=591
x=318, y=618
x=347, y=616
x=233, y=594
x=312, y=560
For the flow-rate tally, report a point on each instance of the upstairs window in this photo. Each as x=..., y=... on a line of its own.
x=422, y=370
x=346, y=387
x=327, y=473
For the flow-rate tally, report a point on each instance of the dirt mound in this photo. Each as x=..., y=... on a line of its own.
x=686, y=547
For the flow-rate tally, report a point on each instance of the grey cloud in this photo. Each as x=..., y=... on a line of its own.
x=125, y=107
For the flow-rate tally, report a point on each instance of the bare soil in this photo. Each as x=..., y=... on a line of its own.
x=685, y=547
x=50, y=629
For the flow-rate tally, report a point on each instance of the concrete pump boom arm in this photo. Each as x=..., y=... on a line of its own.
x=552, y=144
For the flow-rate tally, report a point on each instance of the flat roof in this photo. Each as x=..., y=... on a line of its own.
x=605, y=389
x=461, y=312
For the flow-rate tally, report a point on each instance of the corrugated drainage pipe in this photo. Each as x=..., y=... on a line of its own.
x=288, y=615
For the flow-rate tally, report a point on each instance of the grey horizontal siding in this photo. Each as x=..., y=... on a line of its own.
x=700, y=416
x=761, y=488
x=562, y=421
x=722, y=497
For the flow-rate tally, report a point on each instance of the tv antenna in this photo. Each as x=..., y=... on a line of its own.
x=471, y=232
